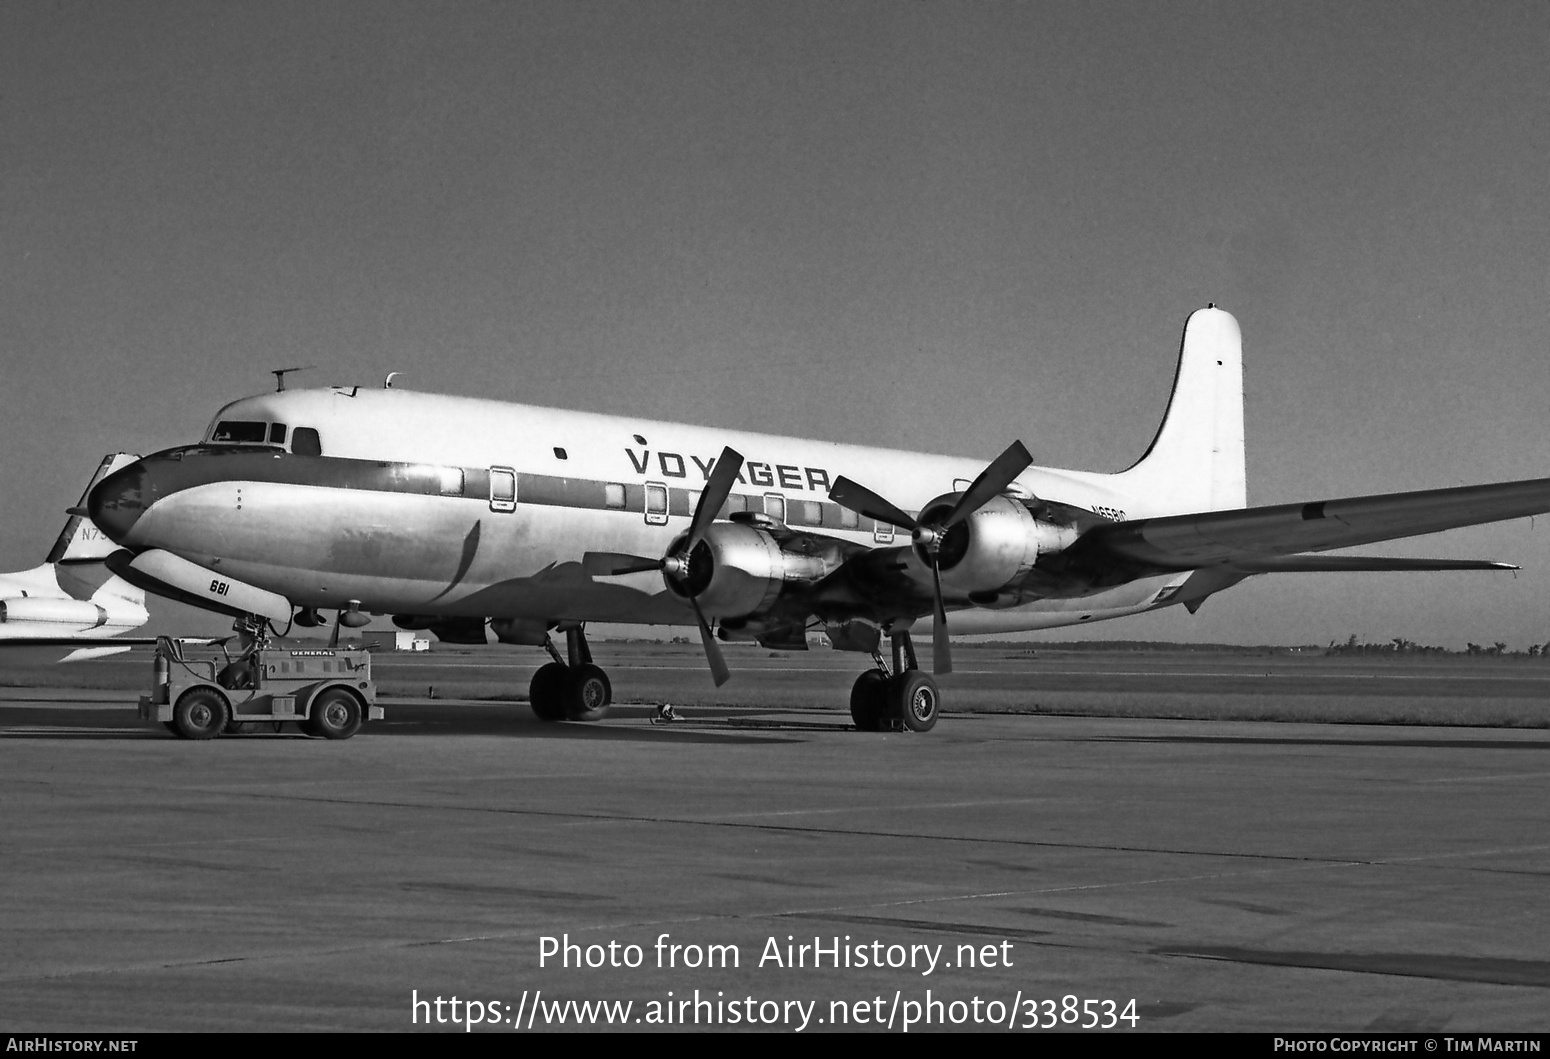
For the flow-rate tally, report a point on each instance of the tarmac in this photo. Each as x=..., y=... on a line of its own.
x=1052, y=872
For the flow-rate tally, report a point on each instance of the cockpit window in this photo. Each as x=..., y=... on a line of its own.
x=305, y=442
x=277, y=433
x=239, y=432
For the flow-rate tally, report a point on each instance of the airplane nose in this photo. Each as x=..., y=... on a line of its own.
x=117, y=502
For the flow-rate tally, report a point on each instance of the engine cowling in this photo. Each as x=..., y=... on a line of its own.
x=74, y=612
x=995, y=546
x=737, y=570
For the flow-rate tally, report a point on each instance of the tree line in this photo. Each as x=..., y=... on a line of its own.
x=1401, y=646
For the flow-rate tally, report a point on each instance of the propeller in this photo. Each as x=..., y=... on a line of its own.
x=991, y=483
x=675, y=564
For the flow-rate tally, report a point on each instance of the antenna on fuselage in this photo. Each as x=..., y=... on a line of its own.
x=387, y=383
x=280, y=374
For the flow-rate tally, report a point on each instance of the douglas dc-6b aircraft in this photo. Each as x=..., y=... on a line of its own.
x=71, y=606
x=476, y=518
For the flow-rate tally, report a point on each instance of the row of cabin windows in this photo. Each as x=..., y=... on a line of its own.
x=503, y=497
x=304, y=440
x=776, y=506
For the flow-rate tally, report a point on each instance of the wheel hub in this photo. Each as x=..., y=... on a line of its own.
x=922, y=704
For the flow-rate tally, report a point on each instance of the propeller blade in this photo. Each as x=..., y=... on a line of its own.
x=991, y=483
x=717, y=489
x=612, y=564
x=863, y=501
x=718, y=665
x=941, y=649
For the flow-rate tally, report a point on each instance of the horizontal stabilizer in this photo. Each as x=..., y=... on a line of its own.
x=1189, y=542
x=86, y=654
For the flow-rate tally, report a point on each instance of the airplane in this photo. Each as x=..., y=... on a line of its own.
x=72, y=602
x=476, y=519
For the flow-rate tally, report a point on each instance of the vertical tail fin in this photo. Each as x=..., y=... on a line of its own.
x=1196, y=461
x=81, y=540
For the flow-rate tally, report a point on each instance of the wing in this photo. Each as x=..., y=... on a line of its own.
x=1344, y=564
x=1258, y=538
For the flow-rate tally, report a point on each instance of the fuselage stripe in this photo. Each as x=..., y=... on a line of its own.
x=202, y=465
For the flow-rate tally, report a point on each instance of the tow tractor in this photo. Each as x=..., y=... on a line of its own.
x=201, y=692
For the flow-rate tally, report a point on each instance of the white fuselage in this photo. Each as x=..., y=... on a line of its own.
x=410, y=509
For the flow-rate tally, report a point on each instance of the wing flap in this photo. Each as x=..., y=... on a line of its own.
x=1187, y=542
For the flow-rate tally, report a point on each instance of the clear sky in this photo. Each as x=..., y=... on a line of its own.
x=936, y=226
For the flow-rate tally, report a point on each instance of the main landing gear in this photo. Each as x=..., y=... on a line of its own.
x=907, y=695
x=570, y=688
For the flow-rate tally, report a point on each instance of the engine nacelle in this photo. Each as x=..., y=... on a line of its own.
x=76, y=612
x=993, y=547
x=737, y=570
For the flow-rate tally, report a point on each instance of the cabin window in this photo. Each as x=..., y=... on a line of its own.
x=849, y=519
x=451, y=480
x=503, y=489
x=775, y=506
x=656, y=504
x=239, y=432
x=812, y=513
x=277, y=433
x=613, y=496
x=882, y=532
x=304, y=442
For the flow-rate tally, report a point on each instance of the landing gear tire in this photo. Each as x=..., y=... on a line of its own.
x=546, y=692
x=336, y=714
x=588, y=694
x=914, y=699
x=200, y=713
x=869, y=701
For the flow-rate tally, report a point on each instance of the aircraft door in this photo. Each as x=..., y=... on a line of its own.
x=503, y=489
x=656, y=504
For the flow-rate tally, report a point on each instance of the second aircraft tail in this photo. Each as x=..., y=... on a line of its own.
x=81, y=540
